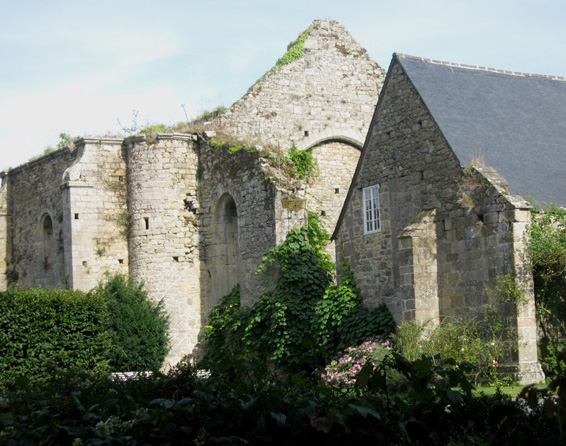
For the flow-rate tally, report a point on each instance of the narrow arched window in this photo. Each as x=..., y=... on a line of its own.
x=47, y=243
x=225, y=252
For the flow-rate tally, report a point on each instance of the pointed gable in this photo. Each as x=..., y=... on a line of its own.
x=511, y=121
x=326, y=85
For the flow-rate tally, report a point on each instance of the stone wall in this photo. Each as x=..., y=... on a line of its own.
x=35, y=235
x=336, y=163
x=187, y=219
x=445, y=229
x=416, y=171
x=262, y=214
x=334, y=86
x=164, y=238
x=95, y=210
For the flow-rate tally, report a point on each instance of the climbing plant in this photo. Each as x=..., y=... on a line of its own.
x=305, y=320
x=296, y=49
x=304, y=164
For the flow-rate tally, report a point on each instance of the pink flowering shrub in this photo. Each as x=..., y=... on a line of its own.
x=343, y=372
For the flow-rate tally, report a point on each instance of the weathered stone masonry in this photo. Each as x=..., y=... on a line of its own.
x=189, y=220
x=447, y=231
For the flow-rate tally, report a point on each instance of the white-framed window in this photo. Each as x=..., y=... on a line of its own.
x=372, y=219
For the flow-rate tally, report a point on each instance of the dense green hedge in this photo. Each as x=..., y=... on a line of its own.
x=63, y=327
x=137, y=326
x=113, y=328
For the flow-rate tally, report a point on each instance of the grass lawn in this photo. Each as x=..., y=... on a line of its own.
x=512, y=390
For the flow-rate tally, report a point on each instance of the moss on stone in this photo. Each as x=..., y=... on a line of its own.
x=296, y=49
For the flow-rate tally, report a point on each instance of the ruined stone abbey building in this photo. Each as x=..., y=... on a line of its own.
x=189, y=218
x=421, y=193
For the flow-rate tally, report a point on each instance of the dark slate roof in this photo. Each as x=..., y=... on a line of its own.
x=511, y=121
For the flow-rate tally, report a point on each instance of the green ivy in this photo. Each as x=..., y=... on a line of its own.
x=225, y=328
x=296, y=49
x=303, y=162
x=305, y=320
x=343, y=319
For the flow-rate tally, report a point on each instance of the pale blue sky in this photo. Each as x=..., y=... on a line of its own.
x=79, y=66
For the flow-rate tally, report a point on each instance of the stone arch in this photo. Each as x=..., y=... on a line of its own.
x=337, y=160
x=348, y=137
x=224, y=249
x=47, y=241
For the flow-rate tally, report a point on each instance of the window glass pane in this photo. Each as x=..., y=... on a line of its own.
x=371, y=209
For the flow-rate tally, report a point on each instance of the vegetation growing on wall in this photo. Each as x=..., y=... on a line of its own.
x=296, y=49
x=294, y=52
x=66, y=140
x=306, y=320
x=304, y=163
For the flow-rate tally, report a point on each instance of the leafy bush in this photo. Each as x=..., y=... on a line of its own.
x=547, y=250
x=224, y=332
x=247, y=404
x=304, y=163
x=58, y=327
x=344, y=371
x=463, y=340
x=137, y=326
x=343, y=320
x=305, y=320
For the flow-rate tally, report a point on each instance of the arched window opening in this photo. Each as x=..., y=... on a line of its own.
x=225, y=252
x=47, y=243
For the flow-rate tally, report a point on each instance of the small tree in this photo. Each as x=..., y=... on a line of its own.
x=137, y=326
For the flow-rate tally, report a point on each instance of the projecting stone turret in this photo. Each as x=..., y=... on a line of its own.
x=188, y=218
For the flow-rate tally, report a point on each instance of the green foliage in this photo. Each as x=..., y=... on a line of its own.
x=305, y=320
x=232, y=149
x=547, y=250
x=480, y=339
x=296, y=49
x=137, y=326
x=208, y=115
x=247, y=404
x=225, y=328
x=61, y=327
x=344, y=321
x=66, y=140
x=282, y=321
x=304, y=163
x=125, y=221
x=156, y=128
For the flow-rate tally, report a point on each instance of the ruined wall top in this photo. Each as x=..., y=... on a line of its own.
x=326, y=86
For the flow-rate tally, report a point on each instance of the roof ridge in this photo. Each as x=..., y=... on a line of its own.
x=480, y=68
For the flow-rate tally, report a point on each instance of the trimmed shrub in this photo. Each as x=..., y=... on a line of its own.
x=40, y=327
x=137, y=326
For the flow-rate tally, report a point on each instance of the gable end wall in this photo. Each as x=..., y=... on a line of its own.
x=476, y=226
